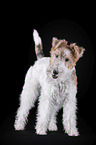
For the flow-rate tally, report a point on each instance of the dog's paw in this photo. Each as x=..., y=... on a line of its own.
x=53, y=127
x=41, y=128
x=41, y=131
x=73, y=133
x=19, y=126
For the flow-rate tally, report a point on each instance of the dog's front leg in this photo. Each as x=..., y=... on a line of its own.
x=44, y=114
x=69, y=113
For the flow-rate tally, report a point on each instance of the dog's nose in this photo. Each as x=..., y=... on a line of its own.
x=55, y=72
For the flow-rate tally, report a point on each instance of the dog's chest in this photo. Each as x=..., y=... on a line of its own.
x=59, y=92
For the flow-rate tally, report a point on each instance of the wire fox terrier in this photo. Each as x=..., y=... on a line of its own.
x=54, y=78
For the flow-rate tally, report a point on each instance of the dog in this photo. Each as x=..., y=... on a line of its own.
x=54, y=80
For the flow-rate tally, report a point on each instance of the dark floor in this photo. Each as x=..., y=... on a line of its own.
x=28, y=137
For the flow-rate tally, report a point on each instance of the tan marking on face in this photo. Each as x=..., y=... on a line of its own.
x=60, y=47
x=63, y=52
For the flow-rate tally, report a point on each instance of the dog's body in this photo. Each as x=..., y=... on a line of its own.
x=54, y=78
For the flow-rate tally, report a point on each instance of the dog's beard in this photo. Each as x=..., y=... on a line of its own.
x=53, y=76
x=63, y=72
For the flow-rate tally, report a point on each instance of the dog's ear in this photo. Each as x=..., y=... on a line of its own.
x=54, y=41
x=78, y=50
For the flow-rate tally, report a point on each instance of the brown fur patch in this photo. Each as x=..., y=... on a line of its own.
x=74, y=77
x=78, y=50
x=59, y=47
x=58, y=44
x=55, y=41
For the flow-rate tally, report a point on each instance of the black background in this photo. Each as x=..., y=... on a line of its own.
x=18, y=54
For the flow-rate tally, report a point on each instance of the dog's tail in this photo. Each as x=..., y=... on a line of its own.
x=38, y=45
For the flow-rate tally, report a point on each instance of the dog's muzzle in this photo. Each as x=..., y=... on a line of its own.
x=55, y=74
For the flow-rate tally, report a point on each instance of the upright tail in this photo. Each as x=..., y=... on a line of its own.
x=38, y=45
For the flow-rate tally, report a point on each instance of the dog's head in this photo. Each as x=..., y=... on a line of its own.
x=63, y=57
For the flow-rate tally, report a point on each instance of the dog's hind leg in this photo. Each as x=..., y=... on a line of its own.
x=28, y=97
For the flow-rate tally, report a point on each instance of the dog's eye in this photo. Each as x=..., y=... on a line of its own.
x=56, y=56
x=67, y=59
